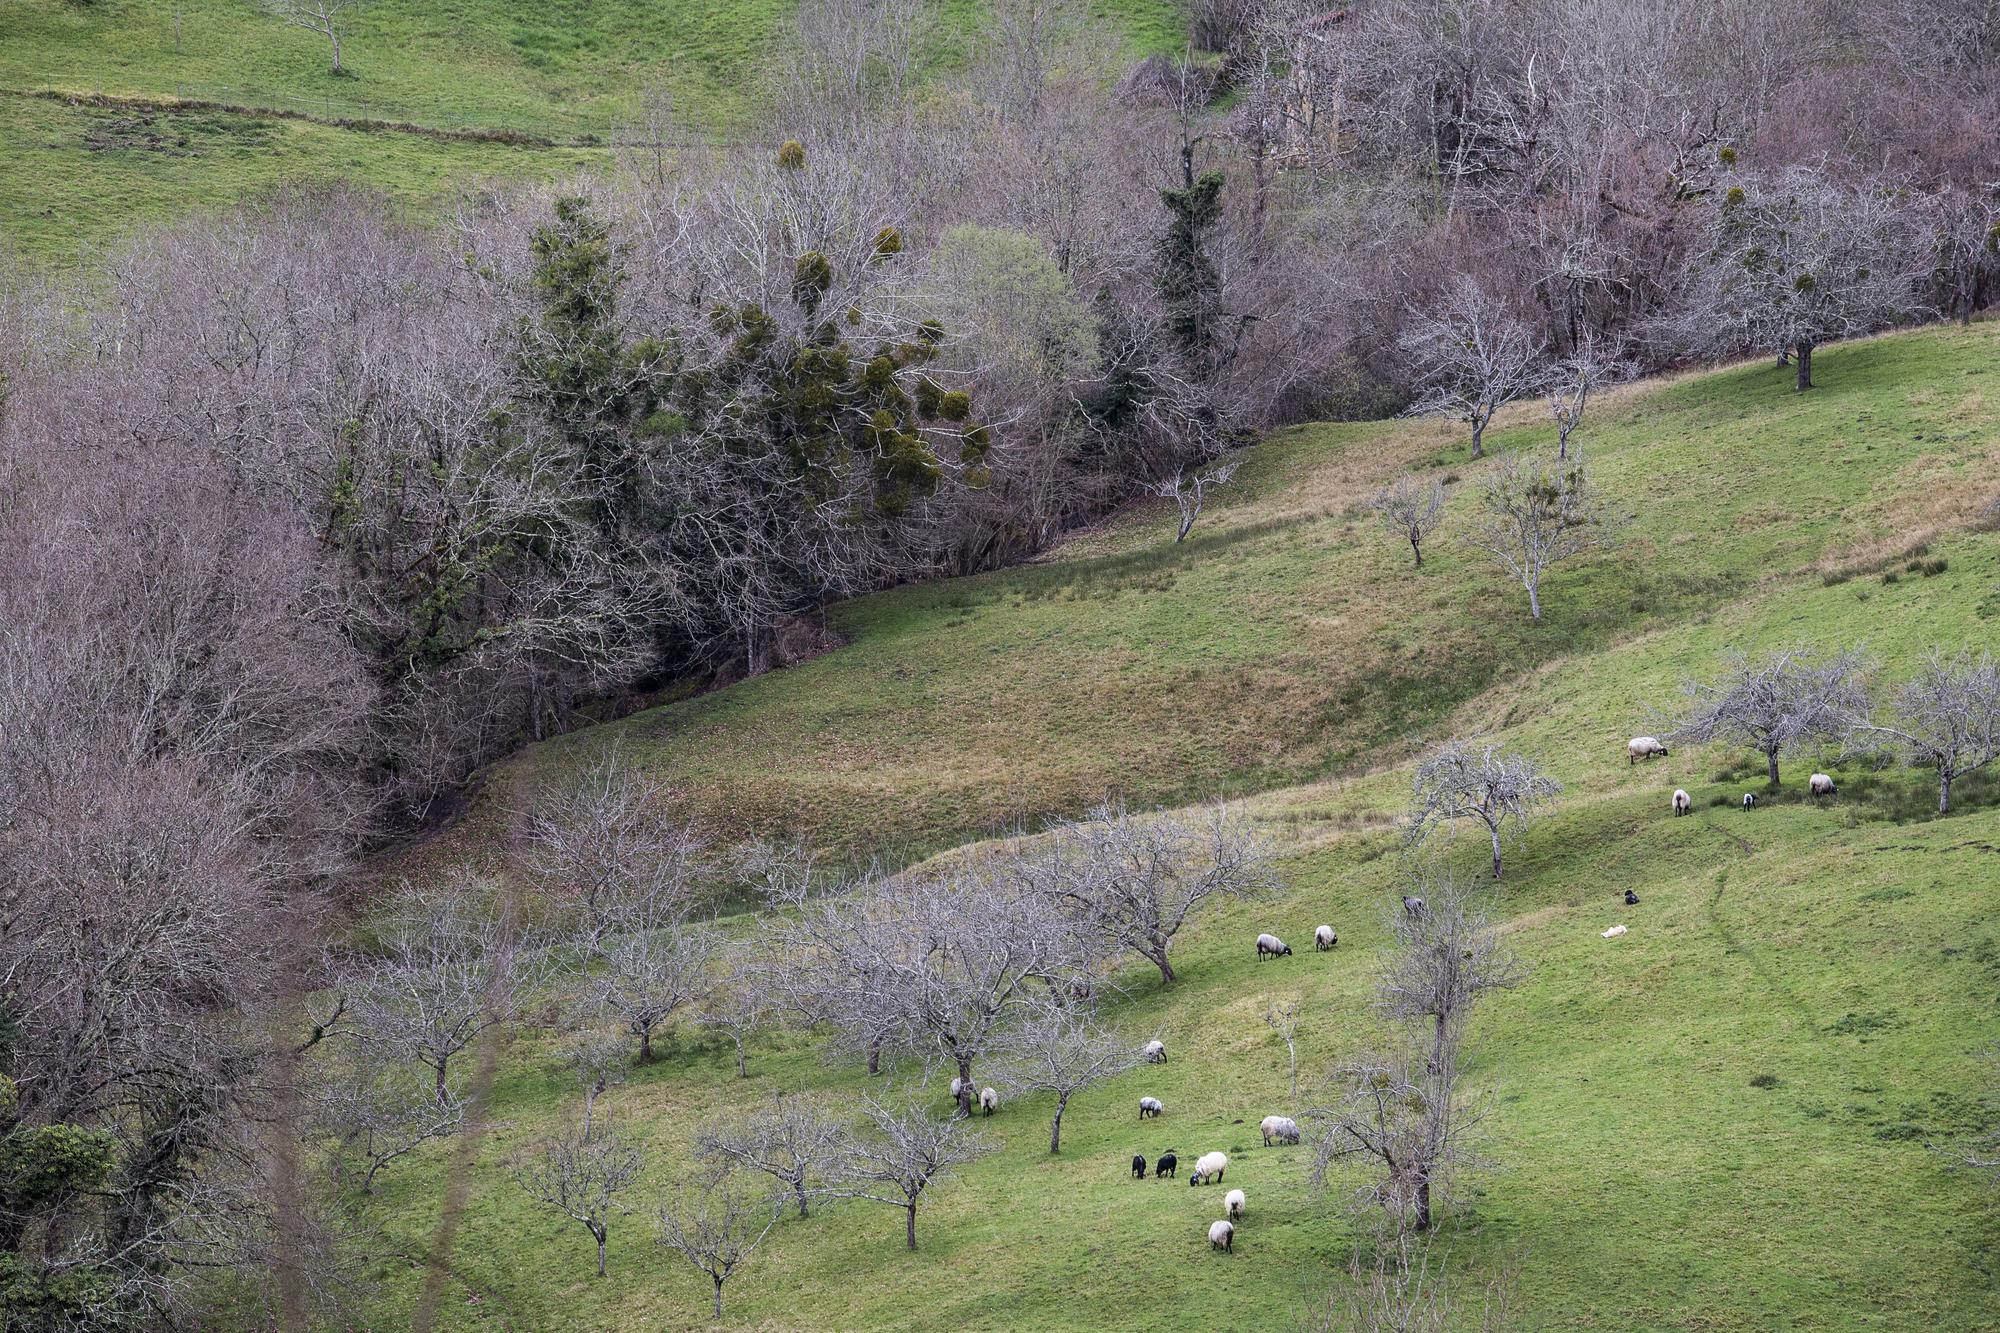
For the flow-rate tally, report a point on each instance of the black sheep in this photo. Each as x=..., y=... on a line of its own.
x=1631, y=898
x=1139, y=1167
x=1165, y=1166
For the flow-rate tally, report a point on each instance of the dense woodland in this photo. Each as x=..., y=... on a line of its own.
x=311, y=509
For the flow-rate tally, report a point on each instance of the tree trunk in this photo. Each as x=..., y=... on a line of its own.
x=875, y=1057
x=1495, y=830
x=334, y=37
x=1478, y=439
x=1534, y=601
x=1771, y=766
x=646, y=1045
x=1417, y=551
x=600, y=1233
x=1055, y=1125
x=1166, y=968
x=1423, y=1205
x=799, y=1192
x=1805, y=351
x=964, y=1085
x=1944, y=791
x=443, y=1094
x=910, y=1227
x=718, y=1296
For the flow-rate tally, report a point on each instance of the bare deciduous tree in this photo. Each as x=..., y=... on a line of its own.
x=794, y=1140
x=1405, y=1114
x=649, y=976
x=1282, y=1017
x=596, y=1060
x=448, y=974
x=1946, y=717
x=377, y=1113
x=1775, y=704
x=581, y=1176
x=1471, y=356
x=1190, y=491
x=934, y=963
x=608, y=840
x=1570, y=382
x=1061, y=1049
x=1531, y=518
x=738, y=1005
x=1795, y=258
x=1135, y=879
x=328, y=18
x=1445, y=957
x=1469, y=780
x=907, y=1152
x=717, y=1230
x=1411, y=509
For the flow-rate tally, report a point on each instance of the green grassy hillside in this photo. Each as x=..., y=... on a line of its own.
x=1289, y=638
x=1717, y=1121
x=565, y=71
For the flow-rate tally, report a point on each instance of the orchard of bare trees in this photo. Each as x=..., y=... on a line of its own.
x=308, y=510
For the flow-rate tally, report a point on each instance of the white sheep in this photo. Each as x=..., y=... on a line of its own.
x=1208, y=1168
x=1232, y=1204
x=1683, y=803
x=1749, y=800
x=1155, y=1052
x=957, y=1086
x=1150, y=1106
x=988, y=1100
x=1324, y=938
x=1222, y=1235
x=1614, y=932
x=1643, y=747
x=1280, y=1127
x=1819, y=784
x=1271, y=945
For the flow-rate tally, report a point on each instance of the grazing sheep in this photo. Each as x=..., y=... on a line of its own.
x=1414, y=906
x=1273, y=946
x=1149, y=1106
x=989, y=1100
x=1749, y=800
x=1614, y=932
x=1138, y=1166
x=1208, y=1168
x=1280, y=1127
x=1222, y=1235
x=1643, y=747
x=1683, y=803
x=1631, y=898
x=1324, y=938
x=1167, y=1165
x=1155, y=1052
x=1819, y=784
x=957, y=1086
x=1232, y=1204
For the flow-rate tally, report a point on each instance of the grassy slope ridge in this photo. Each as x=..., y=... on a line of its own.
x=1288, y=637
x=1717, y=1121
x=559, y=69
